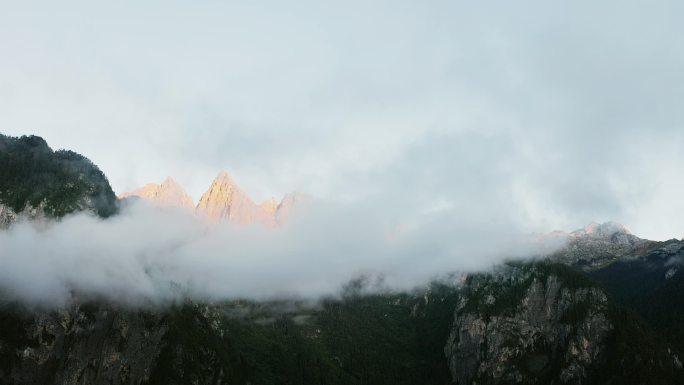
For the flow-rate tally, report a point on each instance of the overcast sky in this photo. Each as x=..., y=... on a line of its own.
x=538, y=114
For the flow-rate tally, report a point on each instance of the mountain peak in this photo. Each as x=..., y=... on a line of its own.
x=601, y=230
x=226, y=201
x=224, y=178
x=223, y=201
x=168, y=193
x=169, y=182
x=270, y=206
x=596, y=244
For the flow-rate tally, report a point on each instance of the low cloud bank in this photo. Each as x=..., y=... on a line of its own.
x=147, y=254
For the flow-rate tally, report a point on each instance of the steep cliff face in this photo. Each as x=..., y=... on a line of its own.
x=7, y=216
x=543, y=324
x=167, y=194
x=32, y=213
x=85, y=344
x=225, y=201
x=551, y=332
x=361, y=340
x=289, y=206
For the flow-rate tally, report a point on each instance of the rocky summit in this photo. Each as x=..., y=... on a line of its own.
x=167, y=194
x=224, y=201
x=595, y=245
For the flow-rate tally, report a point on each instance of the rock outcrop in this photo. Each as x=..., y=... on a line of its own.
x=225, y=201
x=553, y=332
x=288, y=207
x=79, y=345
x=167, y=194
x=7, y=216
x=541, y=324
x=596, y=245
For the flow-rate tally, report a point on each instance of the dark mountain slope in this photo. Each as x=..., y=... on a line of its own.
x=524, y=324
x=652, y=285
x=380, y=339
x=546, y=323
x=57, y=182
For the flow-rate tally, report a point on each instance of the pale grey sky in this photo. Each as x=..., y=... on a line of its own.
x=539, y=114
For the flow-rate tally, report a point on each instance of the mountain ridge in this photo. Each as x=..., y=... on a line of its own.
x=168, y=193
x=223, y=201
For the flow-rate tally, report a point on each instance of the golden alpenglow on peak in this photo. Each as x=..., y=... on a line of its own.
x=289, y=205
x=270, y=206
x=167, y=194
x=224, y=201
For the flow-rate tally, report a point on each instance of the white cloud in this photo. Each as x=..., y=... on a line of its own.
x=154, y=255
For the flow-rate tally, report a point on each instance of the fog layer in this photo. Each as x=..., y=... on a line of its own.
x=147, y=254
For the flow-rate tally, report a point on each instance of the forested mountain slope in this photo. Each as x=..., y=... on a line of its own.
x=33, y=176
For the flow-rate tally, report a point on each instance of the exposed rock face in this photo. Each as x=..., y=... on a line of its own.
x=79, y=345
x=225, y=201
x=167, y=194
x=270, y=206
x=7, y=216
x=550, y=333
x=597, y=245
x=288, y=206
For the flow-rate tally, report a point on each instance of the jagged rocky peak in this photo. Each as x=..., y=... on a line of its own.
x=291, y=202
x=167, y=194
x=604, y=230
x=270, y=206
x=601, y=230
x=596, y=245
x=225, y=201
